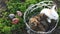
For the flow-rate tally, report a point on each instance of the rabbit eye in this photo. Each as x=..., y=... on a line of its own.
x=55, y=8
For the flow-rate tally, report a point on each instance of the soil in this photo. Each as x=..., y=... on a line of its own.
x=23, y=31
x=56, y=31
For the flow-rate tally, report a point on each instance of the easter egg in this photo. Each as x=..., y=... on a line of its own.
x=11, y=16
x=19, y=13
x=15, y=20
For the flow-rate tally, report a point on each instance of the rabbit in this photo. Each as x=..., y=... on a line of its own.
x=50, y=13
x=38, y=22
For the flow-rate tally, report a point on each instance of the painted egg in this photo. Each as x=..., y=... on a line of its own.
x=15, y=20
x=19, y=13
x=11, y=16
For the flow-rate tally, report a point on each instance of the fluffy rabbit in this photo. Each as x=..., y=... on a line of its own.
x=39, y=22
x=51, y=13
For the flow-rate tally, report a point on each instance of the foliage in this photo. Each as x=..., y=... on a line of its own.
x=6, y=27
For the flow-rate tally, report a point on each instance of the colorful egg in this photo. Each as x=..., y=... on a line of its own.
x=19, y=13
x=15, y=20
x=11, y=16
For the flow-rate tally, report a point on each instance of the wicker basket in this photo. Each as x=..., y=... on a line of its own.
x=35, y=9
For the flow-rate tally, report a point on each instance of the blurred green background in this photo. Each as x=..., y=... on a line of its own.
x=11, y=6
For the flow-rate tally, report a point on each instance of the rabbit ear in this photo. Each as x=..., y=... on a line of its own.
x=53, y=8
